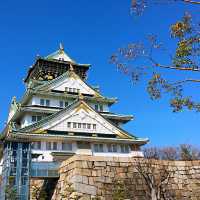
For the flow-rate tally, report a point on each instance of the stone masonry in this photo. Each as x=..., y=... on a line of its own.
x=91, y=177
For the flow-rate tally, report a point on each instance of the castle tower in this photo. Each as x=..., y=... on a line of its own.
x=59, y=115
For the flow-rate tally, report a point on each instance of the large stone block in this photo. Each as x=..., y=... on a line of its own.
x=84, y=188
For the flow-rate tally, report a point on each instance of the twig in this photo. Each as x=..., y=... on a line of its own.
x=193, y=2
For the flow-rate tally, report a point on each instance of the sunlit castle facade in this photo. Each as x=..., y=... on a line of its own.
x=59, y=115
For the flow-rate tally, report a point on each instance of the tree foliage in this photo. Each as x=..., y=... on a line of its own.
x=140, y=60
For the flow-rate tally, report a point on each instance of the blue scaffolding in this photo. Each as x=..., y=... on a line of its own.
x=16, y=170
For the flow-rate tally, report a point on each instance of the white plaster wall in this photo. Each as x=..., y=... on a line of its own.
x=82, y=116
x=54, y=102
x=47, y=157
x=26, y=120
x=71, y=82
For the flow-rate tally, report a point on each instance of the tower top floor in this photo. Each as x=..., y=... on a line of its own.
x=52, y=66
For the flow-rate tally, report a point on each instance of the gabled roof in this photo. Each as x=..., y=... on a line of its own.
x=53, y=84
x=54, y=121
x=60, y=54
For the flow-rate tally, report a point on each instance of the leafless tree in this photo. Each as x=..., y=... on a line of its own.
x=183, y=152
x=156, y=177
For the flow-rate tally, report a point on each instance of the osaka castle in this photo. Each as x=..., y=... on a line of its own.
x=58, y=116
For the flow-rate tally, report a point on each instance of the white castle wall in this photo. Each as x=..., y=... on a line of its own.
x=47, y=157
x=54, y=102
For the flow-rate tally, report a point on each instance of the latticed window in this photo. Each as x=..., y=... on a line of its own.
x=61, y=104
x=112, y=147
x=98, y=148
x=47, y=102
x=101, y=108
x=55, y=146
x=36, y=118
x=74, y=124
x=94, y=126
x=37, y=145
x=124, y=148
x=88, y=126
x=48, y=145
x=44, y=102
x=69, y=124
x=66, y=146
x=96, y=107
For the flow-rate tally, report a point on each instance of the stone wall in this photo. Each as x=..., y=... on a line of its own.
x=89, y=177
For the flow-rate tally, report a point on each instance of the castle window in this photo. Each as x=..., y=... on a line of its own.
x=94, y=126
x=37, y=145
x=48, y=145
x=61, y=104
x=101, y=108
x=124, y=148
x=66, y=146
x=96, y=107
x=81, y=125
x=47, y=102
x=36, y=118
x=112, y=147
x=44, y=102
x=66, y=103
x=74, y=124
x=98, y=147
x=88, y=126
x=69, y=124
x=55, y=146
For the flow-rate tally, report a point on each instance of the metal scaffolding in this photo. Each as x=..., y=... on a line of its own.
x=16, y=170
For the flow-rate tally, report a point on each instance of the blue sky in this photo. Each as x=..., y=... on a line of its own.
x=91, y=31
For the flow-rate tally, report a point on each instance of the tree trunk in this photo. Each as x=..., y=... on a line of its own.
x=153, y=194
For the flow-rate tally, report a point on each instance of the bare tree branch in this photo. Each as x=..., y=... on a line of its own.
x=193, y=2
x=185, y=81
x=173, y=67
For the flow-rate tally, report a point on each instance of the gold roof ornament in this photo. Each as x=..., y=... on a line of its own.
x=71, y=71
x=80, y=96
x=71, y=68
x=61, y=47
